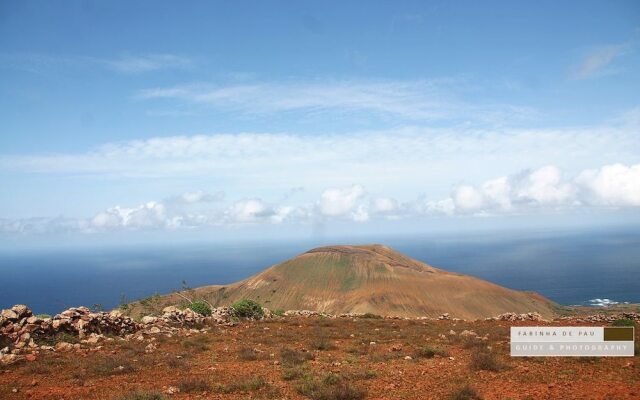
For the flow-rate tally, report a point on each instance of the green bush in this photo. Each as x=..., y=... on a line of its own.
x=623, y=322
x=279, y=312
x=201, y=308
x=248, y=309
x=43, y=316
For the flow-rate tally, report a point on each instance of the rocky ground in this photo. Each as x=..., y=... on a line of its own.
x=178, y=354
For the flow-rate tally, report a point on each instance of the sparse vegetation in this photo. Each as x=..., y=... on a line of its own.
x=43, y=316
x=140, y=395
x=247, y=354
x=201, y=308
x=623, y=322
x=112, y=365
x=430, y=352
x=322, y=343
x=331, y=387
x=371, y=316
x=293, y=373
x=248, y=309
x=196, y=343
x=193, y=385
x=248, y=385
x=484, y=359
x=279, y=312
x=291, y=357
x=465, y=393
x=53, y=340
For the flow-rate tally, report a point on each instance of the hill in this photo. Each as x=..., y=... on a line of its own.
x=373, y=279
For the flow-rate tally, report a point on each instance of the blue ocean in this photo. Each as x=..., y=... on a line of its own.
x=587, y=268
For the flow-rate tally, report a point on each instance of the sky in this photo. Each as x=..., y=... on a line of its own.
x=124, y=120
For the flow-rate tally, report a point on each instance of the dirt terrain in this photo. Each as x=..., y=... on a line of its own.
x=321, y=359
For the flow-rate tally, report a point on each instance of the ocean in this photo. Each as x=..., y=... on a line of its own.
x=588, y=268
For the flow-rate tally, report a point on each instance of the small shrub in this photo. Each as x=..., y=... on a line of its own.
x=201, y=308
x=249, y=385
x=331, y=387
x=248, y=309
x=174, y=362
x=360, y=375
x=59, y=337
x=623, y=322
x=465, y=393
x=112, y=365
x=430, y=352
x=322, y=344
x=43, y=316
x=371, y=316
x=290, y=357
x=191, y=385
x=139, y=395
x=293, y=373
x=360, y=350
x=247, y=354
x=279, y=312
x=482, y=359
x=196, y=343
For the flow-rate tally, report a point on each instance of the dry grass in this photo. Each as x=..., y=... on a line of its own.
x=140, y=395
x=193, y=385
x=290, y=357
x=465, y=393
x=322, y=344
x=247, y=354
x=247, y=385
x=483, y=359
x=331, y=387
x=196, y=343
x=112, y=365
x=430, y=352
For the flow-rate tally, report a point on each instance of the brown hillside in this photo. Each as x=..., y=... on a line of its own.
x=375, y=279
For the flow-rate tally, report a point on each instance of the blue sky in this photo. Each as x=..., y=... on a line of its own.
x=237, y=118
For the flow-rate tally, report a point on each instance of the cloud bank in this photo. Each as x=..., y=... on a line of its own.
x=541, y=190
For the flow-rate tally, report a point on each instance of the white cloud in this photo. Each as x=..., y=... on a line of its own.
x=613, y=185
x=341, y=201
x=133, y=64
x=151, y=215
x=531, y=191
x=195, y=197
x=251, y=210
x=468, y=198
x=413, y=100
x=127, y=63
x=597, y=61
x=384, y=205
x=543, y=186
x=391, y=161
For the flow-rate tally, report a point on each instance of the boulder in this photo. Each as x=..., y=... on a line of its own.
x=9, y=315
x=21, y=310
x=148, y=319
